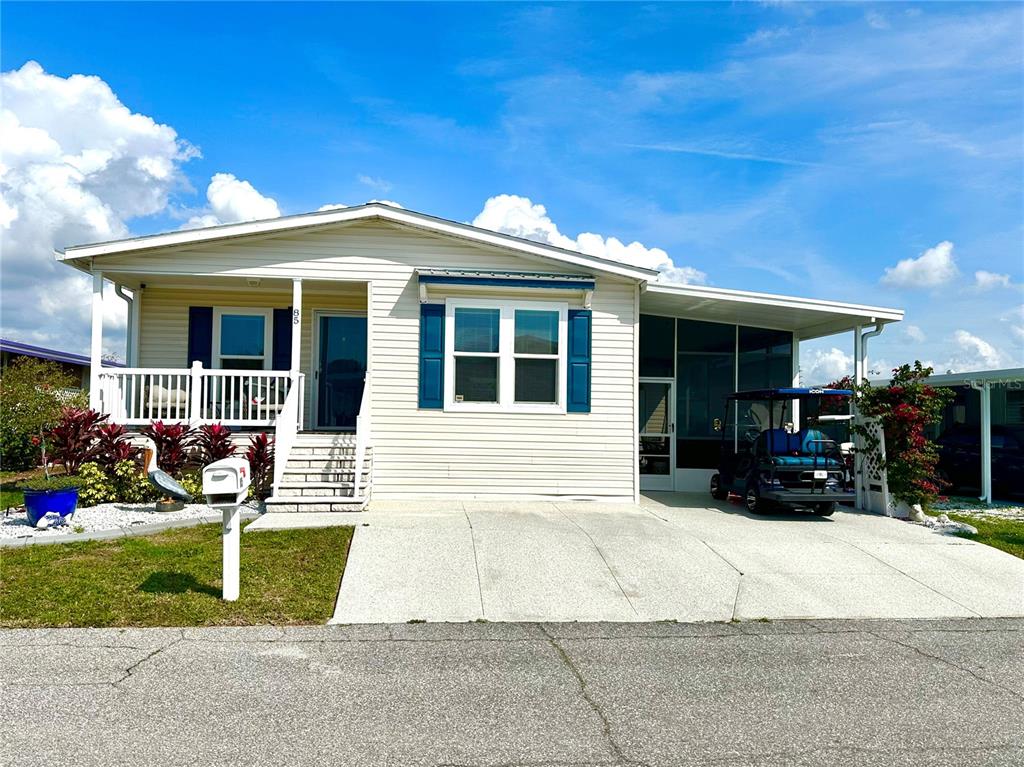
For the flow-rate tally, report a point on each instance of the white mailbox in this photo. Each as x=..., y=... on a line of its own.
x=226, y=482
x=226, y=485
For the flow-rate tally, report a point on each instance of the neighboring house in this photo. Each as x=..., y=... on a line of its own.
x=981, y=435
x=495, y=367
x=77, y=365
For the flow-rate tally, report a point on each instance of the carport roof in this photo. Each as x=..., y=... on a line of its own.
x=806, y=317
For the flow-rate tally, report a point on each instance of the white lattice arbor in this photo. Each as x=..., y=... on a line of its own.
x=869, y=458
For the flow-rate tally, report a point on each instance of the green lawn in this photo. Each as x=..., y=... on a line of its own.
x=9, y=498
x=1005, y=534
x=174, y=579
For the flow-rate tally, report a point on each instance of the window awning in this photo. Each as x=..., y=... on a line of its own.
x=504, y=279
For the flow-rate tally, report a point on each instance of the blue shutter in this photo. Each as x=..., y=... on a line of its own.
x=200, y=335
x=432, y=356
x=578, y=399
x=282, y=337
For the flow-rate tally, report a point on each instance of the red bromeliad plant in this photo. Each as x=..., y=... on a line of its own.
x=214, y=443
x=260, y=455
x=172, y=443
x=72, y=441
x=112, y=446
x=906, y=407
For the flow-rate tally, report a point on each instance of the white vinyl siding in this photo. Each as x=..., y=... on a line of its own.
x=427, y=453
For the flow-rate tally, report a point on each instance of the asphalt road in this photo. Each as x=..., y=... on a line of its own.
x=782, y=693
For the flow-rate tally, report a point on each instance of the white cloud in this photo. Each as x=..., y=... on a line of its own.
x=876, y=20
x=988, y=280
x=392, y=203
x=822, y=366
x=519, y=216
x=914, y=333
x=936, y=266
x=77, y=165
x=379, y=184
x=332, y=206
x=969, y=353
x=232, y=200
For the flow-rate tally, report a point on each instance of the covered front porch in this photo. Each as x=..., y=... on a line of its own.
x=250, y=353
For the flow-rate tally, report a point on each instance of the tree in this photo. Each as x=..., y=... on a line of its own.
x=33, y=393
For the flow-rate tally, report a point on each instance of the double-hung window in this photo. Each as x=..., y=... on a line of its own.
x=241, y=338
x=505, y=355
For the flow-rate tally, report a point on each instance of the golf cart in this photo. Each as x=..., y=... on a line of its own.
x=769, y=463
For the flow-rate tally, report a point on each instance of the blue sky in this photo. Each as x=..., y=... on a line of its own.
x=781, y=147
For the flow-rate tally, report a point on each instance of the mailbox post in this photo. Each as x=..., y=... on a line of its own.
x=226, y=485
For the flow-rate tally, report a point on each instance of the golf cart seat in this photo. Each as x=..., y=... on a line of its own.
x=806, y=447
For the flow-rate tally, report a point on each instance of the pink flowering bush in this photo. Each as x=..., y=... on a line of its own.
x=906, y=407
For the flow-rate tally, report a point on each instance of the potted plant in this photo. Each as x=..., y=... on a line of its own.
x=51, y=495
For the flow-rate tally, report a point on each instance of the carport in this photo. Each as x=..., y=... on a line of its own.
x=1001, y=396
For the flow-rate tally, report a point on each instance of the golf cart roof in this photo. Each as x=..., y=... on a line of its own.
x=789, y=393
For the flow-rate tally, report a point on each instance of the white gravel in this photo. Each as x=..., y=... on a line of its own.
x=976, y=508
x=107, y=516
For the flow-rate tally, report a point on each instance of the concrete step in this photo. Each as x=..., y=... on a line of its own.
x=294, y=476
x=315, y=489
x=325, y=452
x=312, y=463
x=305, y=438
x=305, y=503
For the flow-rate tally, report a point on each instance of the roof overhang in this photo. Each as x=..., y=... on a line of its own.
x=806, y=317
x=41, y=352
x=358, y=213
x=1011, y=378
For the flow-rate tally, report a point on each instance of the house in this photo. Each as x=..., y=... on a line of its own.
x=460, y=362
x=987, y=412
x=77, y=365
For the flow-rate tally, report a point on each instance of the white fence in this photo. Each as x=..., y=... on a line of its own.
x=136, y=396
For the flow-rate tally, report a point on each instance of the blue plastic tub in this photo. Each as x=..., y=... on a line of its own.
x=39, y=503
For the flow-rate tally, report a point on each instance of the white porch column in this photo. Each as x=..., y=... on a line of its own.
x=796, y=380
x=296, y=324
x=986, y=442
x=96, y=347
x=133, y=351
x=858, y=356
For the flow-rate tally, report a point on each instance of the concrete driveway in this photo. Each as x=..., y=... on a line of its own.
x=674, y=557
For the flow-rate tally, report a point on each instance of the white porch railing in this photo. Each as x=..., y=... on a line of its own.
x=136, y=396
x=363, y=430
x=287, y=427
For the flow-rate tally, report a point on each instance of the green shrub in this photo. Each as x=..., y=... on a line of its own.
x=192, y=481
x=62, y=482
x=95, y=487
x=124, y=484
x=33, y=393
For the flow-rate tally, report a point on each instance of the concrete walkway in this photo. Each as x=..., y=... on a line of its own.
x=675, y=557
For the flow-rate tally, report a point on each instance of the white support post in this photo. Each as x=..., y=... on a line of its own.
x=136, y=310
x=231, y=524
x=986, y=442
x=96, y=347
x=796, y=381
x=858, y=356
x=195, y=393
x=296, y=324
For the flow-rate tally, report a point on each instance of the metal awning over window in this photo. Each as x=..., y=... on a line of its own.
x=504, y=279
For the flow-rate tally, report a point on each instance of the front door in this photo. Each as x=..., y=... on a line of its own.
x=657, y=434
x=339, y=369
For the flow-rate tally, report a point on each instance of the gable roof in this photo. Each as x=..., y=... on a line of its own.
x=369, y=211
x=43, y=353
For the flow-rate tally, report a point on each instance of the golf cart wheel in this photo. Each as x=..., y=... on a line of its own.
x=753, y=501
x=825, y=509
x=716, y=488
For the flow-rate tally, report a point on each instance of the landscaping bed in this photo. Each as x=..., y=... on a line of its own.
x=174, y=579
x=14, y=525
